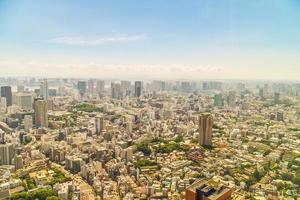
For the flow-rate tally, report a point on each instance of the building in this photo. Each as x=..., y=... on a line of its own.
x=279, y=116
x=44, y=91
x=28, y=122
x=24, y=100
x=208, y=189
x=276, y=97
x=116, y=92
x=138, y=86
x=91, y=86
x=99, y=124
x=81, y=85
x=231, y=100
x=100, y=86
x=205, y=129
x=7, y=154
x=218, y=101
x=19, y=162
x=41, y=112
x=6, y=92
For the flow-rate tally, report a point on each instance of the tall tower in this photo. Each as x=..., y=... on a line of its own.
x=7, y=153
x=41, y=112
x=231, y=99
x=137, y=88
x=81, y=85
x=100, y=86
x=205, y=128
x=91, y=86
x=99, y=124
x=6, y=92
x=44, y=90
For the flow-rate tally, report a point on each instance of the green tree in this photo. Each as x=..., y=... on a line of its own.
x=144, y=148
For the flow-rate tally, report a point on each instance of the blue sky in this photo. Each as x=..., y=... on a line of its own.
x=244, y=39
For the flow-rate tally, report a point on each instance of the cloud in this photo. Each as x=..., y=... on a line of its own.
x=96, y=41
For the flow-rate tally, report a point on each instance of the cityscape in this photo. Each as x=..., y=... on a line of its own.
x=150, y=100
x=96, y=139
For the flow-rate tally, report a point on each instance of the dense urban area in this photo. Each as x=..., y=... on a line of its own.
x=76, y=139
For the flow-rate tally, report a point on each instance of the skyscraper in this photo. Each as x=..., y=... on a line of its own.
x=24, y=100
x=137, y=88
x=218, y=101
x=91, y=86
x=6, y=92
x=44, y=90
x=41, y=112
x=205, y=129
x=100, y=86
x=81, y=85
x=7, y=153
x=99, y=124
x=276, y=97
x=116, y=92
x=231, y=99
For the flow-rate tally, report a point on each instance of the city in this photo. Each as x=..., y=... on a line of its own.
x=149, y=99
x=95, y=139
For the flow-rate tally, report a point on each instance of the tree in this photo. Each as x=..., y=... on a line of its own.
x=144, y=148
x=52, y=198
x=179, y=138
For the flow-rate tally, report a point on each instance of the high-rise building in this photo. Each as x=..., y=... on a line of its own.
x=24, y=100
x=44, y=90
x=218, y=101
x=99, y=124
x=6, y=92
x=41, y=112
x=231, y=100
x=126, y=88
x=116, y=92
x=100, y=86
x=276, y=97
x=91, y=86
x=205, y=129
x=7, y=153
x=27, y=122
x=81, y=85
x=18, y=162
x=138, y=88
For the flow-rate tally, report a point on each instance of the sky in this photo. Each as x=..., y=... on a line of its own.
x=151, y=39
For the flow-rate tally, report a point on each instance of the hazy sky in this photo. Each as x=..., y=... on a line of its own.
x=219, y=39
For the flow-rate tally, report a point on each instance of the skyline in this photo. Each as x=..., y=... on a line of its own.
x=154, y=40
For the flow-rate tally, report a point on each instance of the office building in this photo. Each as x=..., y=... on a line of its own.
x=7, y=154
x=208, y=189
x=44, y=90
x=6, y=92
x=218, y=101
x=81, y=85
x=99, y=124
x=18, y=162
x=231, y=99
x=100, y=86
x=91, y=86
x=205, y=129
x=116, y=92
x=276, y=97
x=41, y=112
x=28, y=122
x=138, y=88
x=24, y=101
